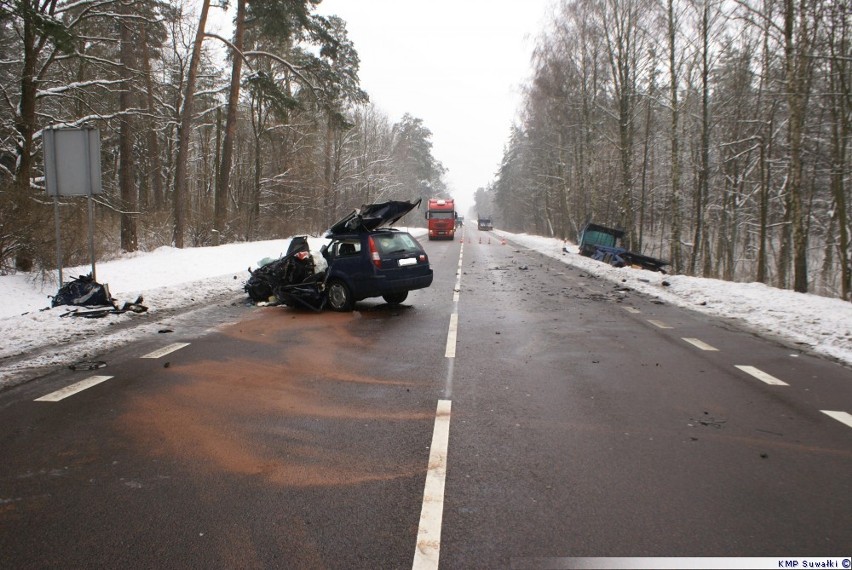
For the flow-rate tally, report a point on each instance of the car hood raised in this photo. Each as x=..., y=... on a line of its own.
x=372, y=216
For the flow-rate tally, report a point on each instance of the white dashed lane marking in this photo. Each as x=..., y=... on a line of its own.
x=95, y=380
x=166, y=350
x=761, y=375
x=701, y=344
x=842, y=417
x=659, y=324
x=73, y=389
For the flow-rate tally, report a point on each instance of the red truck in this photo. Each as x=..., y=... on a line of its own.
x=441, y=218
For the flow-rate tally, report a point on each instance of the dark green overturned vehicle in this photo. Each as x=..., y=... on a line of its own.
x=601, y=244
x=365, y=258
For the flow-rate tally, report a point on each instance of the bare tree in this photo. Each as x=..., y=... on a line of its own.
x=840, y=102
x=180, y=196
x=224, y=178
x=622, y=28
x=801, y=22
x=675, y=165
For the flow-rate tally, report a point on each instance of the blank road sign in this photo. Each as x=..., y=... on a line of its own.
x=72, y=161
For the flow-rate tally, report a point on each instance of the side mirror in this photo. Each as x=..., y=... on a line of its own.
x=324, y=251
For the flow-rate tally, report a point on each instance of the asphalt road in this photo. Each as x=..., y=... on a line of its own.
x=515, y=413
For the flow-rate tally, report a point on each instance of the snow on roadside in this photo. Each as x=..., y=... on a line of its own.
x=821, y=324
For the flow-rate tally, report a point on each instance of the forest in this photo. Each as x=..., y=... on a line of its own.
x=715, y=133
x=204, y=139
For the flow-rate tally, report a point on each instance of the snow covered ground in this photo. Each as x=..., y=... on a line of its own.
x=171, y=279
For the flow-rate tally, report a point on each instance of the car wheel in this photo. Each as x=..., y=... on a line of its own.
x=395, y=298
x=339, y=297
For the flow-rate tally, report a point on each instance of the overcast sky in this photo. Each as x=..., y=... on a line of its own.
x=456, y=64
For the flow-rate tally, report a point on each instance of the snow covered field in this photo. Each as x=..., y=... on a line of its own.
x=170, y=279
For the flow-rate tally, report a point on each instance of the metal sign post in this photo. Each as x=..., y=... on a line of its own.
x=72, y=167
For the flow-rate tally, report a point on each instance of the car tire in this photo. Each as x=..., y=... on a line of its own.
x=395, y=298
x=339, y=297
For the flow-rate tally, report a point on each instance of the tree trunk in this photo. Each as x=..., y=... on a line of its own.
x=645, y=163
x=327, y=215
x=129, y=202
x=698, y=246
x=674, y=201
x=255, y=194
x=621, y=40
x=25, y=126
x=626, y=217
x=764, y=213
x=797, y=54
x=783, y=261
x=765, y=153
x=180, y=190
x=220, y=213
x=155, y=167
x=840, y=138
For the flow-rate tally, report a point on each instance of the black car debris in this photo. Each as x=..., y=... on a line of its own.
x=91, y=299
x=364, y=258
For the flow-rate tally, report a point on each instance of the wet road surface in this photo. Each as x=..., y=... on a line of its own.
x=516, y=412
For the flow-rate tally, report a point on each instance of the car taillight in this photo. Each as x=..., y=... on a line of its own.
x=374, y=254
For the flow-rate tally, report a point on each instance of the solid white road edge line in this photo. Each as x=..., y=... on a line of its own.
x=842, y=417
x=166, y=350
x=73, y=389
x=701, y=344
x=761, y=375
x=428, y=549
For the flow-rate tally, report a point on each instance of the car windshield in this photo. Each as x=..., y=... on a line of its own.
x=441, y=215
x=396, y=243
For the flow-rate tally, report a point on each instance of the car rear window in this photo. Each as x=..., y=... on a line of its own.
x=395, y=243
